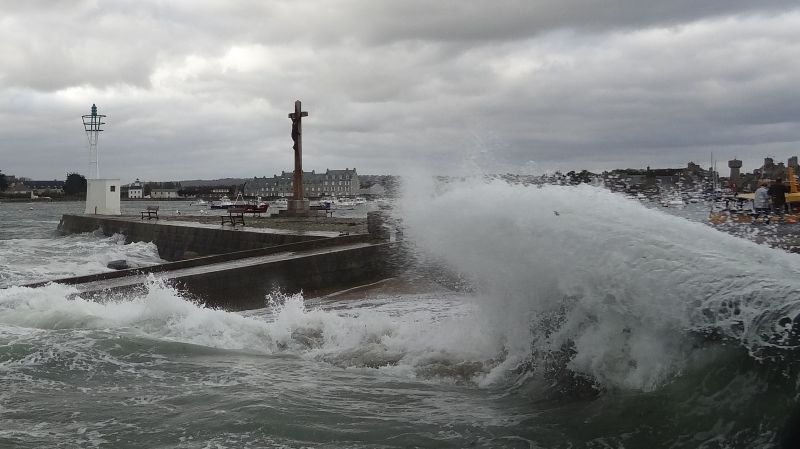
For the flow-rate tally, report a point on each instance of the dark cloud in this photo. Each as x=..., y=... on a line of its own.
x=202, y=88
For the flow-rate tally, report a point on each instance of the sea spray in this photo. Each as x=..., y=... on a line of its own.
x=626, y=284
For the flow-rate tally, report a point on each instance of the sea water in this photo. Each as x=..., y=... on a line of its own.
x=544, y=317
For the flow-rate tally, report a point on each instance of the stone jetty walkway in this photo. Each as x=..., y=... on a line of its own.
x=329, y=224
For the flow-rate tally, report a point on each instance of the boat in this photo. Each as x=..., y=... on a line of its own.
x=280, y=203
x=360, y=200
x=344, y=203
x=199, y=202
x=338, y=203
x=223, y=203
x=257, y=208
x=241, y=202
x=40, y=198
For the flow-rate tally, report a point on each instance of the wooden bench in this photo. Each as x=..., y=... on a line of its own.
x=151, y=212
x=235, y=215
x=328, y=211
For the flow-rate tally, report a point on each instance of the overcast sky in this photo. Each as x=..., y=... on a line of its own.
x=202, y=88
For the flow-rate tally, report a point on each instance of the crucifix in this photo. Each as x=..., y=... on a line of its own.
x=297, y=137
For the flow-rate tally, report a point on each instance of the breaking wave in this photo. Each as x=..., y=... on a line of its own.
x=586, y=279
x=35, y=259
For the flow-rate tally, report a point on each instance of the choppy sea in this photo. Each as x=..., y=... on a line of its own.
x=538, y=317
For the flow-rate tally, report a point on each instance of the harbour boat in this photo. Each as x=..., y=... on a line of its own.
x=199, y=202
x=256, y=208
x=223, y=203
x=338, y=203
x=241, y=202
x=344, y=203
x=40, y=198
x=280, y=203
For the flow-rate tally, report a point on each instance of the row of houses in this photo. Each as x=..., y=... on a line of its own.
x=329, y=183
x=18, y=186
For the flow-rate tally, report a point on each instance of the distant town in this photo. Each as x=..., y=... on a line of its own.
x=339, y=183
x=347, y=182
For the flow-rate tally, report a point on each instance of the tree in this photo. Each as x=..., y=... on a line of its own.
x=75, y=184
x=3, y=182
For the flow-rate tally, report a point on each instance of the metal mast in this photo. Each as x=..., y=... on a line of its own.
x=92, y=123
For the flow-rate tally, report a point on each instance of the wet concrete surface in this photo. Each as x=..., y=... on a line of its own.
x=129, y=281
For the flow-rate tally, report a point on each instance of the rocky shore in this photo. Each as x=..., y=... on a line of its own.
x=333, y=224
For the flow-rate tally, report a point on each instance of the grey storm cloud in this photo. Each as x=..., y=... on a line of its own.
x=202, y=88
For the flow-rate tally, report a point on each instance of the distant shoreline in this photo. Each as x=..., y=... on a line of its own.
x=65, y=199
x=41, y=200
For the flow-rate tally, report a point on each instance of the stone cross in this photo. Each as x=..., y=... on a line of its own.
x=297, y=137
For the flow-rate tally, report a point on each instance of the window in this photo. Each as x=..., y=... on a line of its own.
x=113, y=188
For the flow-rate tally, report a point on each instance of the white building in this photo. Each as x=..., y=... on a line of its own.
x=102, y=197
x=163, y=194
x=136, y=190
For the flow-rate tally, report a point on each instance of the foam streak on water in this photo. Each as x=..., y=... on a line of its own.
x=152, y=353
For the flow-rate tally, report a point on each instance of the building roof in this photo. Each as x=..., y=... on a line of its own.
x=44, y=184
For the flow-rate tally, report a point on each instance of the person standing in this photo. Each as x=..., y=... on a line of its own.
x=777, y=193
x=761, y=200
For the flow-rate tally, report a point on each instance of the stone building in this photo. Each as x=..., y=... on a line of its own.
x=163, y=194
x=331, y=183
x=136, y=190
x=770, y=170
x=735, y=165
x=45, y=187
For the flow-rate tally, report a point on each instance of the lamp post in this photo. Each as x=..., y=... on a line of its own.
x=91, y=124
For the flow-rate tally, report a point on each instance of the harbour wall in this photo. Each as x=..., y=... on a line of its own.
x=178, y=241
x=241, y=267
x=246, y=287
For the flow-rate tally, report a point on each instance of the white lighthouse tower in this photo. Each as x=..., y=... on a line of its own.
x=102, y=195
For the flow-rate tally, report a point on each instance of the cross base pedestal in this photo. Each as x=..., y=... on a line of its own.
x=297, y=208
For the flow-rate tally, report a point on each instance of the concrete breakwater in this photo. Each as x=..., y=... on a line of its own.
x=238, y=267
x=178, y=240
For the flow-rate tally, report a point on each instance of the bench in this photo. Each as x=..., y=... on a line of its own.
x=151, y=212
x=235, y=215
x=325, y=208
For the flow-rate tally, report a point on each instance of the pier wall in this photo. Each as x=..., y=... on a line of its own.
x=236, y=269
x=246, y=287
x=177, y=241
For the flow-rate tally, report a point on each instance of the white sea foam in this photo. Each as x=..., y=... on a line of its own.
x=160, y=313
x=388, y=337
x=31, y=260
x=627, y=282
